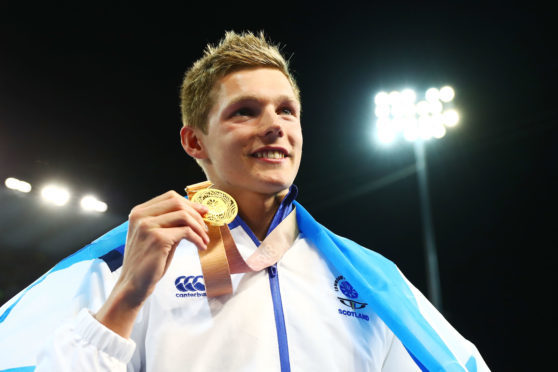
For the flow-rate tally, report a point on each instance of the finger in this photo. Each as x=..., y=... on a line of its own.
x=183, y=218
x=168, y=195
x=195, y=210
x=173, y=203
x=179, y=233
x=202, y=209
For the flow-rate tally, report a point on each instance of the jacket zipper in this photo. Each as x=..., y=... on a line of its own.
x=279, y=319
x=275, y=294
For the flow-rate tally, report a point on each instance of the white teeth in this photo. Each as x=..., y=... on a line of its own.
x=270, y=154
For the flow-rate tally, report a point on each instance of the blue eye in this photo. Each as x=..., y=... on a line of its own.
x=243, y=112
x=287, y=111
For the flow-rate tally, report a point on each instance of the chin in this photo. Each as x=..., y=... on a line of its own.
x=273, y=186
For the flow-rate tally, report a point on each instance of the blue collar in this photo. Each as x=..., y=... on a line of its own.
x=285, y=208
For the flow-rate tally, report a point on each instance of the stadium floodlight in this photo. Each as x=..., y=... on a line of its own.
x=399, y=113
x=55, y=194
x=17, y=185
x=92, y=204
x=404, y=114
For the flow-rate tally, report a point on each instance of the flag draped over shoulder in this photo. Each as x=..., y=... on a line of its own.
x=32, y=315
x=432, y=342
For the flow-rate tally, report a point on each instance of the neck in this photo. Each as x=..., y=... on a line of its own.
x=257, y=209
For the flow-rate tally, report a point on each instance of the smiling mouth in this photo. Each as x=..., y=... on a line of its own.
x=269, y=154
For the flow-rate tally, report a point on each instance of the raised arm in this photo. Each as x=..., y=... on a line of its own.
x=156, y=228
x=101, y=341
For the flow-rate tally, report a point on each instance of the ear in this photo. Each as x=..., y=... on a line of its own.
x=191, y=142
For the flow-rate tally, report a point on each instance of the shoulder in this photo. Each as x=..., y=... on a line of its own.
x=322, y=236
x=355, y=250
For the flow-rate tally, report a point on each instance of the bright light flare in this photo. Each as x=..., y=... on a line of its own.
x=394, y=97
x=385, y=133
x=17, y=185
x=386, y=136
x=435, y=107
x=423, y=108
x=451, y=118
x=410, y=131
x=432, y=95
x=408, y=96
x=447, y=94
x=381, y=98
x=56, y=195
x=382, y=111
x=401, y=113
x=438, y=131
x=92, y=204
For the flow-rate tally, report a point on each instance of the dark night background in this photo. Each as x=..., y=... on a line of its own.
x=89, y=97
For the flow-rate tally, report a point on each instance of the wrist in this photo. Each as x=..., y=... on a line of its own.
x=120, y=310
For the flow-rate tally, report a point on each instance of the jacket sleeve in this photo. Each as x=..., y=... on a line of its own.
x=84, y=344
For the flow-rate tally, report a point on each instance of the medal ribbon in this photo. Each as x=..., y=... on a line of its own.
x=221, y=258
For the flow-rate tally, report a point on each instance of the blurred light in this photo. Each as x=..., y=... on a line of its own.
x=435, y=107
x=382, y=111
x=403, y=108
x=410, y=131
x=432, y=95
x=438, y=131
x=397, y=110
x=446, y=94
x=381, y=99
x=411, y=134
x=399, y=113
x=408, y=96
x=385, y=135
x=55, y=194
x=425, y=127
x=437, y=119
x=423, y=108
x=383, y=122
x=394, y=97
x=397, y=124
x=17, y=185
x=451, y=118
x=91, y=203
x=409, y=122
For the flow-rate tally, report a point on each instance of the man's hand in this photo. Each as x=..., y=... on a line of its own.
x=155, y=229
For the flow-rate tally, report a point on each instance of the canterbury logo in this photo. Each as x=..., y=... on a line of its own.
x=190, y=283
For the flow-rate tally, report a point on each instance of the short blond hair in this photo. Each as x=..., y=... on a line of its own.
x=233, y=53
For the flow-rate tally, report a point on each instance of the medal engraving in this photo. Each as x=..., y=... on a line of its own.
x=222, y=207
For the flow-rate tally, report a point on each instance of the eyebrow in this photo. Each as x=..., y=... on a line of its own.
x=249, y=97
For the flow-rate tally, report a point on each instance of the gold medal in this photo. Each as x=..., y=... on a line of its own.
x=222, y=207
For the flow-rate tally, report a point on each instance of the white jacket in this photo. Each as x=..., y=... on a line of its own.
x=294, y=316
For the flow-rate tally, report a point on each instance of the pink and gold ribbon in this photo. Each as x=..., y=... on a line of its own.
x=221, y=259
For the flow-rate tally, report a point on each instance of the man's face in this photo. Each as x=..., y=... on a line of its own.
x=254, y=139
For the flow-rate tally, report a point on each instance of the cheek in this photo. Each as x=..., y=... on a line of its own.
x=296, y=138
x=231, y=147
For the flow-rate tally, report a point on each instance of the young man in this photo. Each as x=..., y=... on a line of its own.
x=324, y=305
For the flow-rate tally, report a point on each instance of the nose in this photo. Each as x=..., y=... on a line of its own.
x=271, y=126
